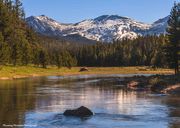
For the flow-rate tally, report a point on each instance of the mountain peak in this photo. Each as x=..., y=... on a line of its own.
x=165, y=19
x=43, y=17
x=109, y=17
x=40, y=17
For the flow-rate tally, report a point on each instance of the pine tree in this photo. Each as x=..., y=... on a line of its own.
x=58, y=59
x=173, y=31
x=19, y=11
x=4, y=51
x=43, y=58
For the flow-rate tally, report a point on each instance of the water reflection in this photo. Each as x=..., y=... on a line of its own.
x=41, y=102
x=15, y=100
x=173, y=103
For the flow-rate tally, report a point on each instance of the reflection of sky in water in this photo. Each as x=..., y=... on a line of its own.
x=95, y=76
x=41, y=102
x=113, y=107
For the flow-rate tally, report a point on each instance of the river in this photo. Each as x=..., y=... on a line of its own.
x=40, y=103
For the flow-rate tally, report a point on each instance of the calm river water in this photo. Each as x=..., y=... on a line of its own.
x=40, y=103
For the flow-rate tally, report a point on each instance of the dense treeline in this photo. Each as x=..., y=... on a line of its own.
x=20, y=45
x=141, y=51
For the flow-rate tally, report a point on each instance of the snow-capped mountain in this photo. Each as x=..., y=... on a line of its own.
x=104, y=28
x=159, y=27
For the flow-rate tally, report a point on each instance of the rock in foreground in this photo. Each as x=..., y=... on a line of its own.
x=79, y=112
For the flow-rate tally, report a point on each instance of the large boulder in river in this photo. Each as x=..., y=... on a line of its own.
x=79, y=112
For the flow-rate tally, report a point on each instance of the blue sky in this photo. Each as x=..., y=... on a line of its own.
x=72, y=11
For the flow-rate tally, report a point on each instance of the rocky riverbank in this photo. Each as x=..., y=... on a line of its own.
x=156, y=83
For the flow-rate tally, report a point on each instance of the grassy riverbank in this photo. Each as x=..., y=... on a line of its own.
x=10, y=72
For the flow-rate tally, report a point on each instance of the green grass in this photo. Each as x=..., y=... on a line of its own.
x=10, y=72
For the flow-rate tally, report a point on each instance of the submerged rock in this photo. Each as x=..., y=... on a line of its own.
x=79, y=112
x=174, y=89
x=133, y=84
x=138, y=85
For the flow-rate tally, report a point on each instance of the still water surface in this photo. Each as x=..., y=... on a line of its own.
x=40, y=102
